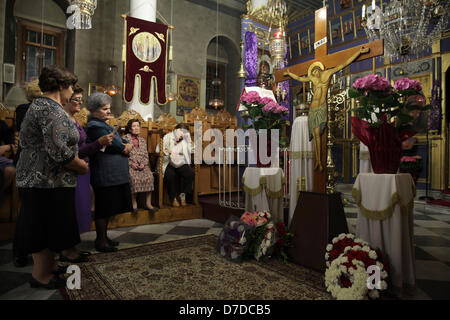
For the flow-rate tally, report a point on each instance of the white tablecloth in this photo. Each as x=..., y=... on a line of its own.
x=301, y=161
x=386, y=220
x=264, y=191
x=364, y=159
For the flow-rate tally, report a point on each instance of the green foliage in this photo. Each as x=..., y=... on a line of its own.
x=254, y=240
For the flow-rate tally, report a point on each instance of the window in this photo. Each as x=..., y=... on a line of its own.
x=38, y=47
x=214, y=91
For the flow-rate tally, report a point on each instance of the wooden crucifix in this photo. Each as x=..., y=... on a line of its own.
x=319, y=71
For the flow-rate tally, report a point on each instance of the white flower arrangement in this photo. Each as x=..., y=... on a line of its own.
x=358, y=290
x=356, y=273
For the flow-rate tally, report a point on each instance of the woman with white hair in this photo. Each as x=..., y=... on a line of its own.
x=110, y=176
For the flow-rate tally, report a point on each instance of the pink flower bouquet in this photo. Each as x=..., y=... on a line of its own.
x=265, y=113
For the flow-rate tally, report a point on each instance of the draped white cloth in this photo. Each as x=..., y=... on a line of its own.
x=301, y=161
x=264, y=191
x=364, y=159
x=386, y=220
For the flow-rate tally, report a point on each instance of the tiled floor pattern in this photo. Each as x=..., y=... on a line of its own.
x=431, y=236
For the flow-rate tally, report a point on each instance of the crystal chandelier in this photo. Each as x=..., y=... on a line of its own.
x=408, y=27
x=87, y=8
x=277, y=44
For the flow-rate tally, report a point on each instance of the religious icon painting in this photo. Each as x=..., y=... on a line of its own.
x=304, y=43
x=180, y=111
x=146, y=47
x=345, y=4
x=188, y=92
x=358, y=26
x=336, y=31
x=294, y=46
x=348, y=26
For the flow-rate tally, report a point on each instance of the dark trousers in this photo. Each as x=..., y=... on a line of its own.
x=170, y=180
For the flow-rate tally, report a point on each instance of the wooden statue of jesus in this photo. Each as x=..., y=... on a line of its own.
x=317, y=118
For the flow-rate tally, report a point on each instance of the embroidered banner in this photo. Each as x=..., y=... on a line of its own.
x=146, y=48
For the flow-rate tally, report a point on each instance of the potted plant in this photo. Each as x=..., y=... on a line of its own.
x=264, y=113
x=385, y=116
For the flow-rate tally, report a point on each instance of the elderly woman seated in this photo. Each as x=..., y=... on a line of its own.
x=177, y=148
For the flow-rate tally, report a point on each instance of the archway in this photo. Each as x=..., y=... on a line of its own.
x=228, y=64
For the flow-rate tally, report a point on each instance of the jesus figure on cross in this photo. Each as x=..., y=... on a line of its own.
x=317, y=118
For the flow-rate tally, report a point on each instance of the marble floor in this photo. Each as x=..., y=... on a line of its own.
x=431, y=239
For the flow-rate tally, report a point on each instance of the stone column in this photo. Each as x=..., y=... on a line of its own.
x=145, y=10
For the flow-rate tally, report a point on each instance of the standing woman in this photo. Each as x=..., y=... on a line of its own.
x=110, y=175
x=140, y=173
x=47, y=176
x=82, y=191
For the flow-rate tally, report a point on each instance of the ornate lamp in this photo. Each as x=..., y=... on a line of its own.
x=408, y=27
x=112, y=89
x=216, y=101
x=87, y=8
x=277, y=43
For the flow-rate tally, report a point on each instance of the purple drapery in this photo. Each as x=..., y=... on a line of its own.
x=251, y=59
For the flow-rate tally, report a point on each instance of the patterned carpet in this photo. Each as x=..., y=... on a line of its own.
x=190, y=269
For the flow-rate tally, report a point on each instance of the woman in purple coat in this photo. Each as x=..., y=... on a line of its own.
x=82, y=191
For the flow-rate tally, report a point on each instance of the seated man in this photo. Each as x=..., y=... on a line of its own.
x=177, y=148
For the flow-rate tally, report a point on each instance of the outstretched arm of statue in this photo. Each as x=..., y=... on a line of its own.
x=295, y=77
x=349, y=60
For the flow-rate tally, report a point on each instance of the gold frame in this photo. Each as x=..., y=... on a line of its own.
x=96, y=88
x=188, y=104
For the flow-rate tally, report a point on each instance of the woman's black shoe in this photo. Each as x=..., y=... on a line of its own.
x=61, y=270
x=153, y=210
x=112, y=243
x=106, y=249
x=81, y=258
x=54, y=283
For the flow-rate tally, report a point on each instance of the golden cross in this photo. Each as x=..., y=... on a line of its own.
x=329, y=61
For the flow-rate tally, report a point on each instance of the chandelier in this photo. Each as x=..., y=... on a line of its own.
x=87, y=8
x=216, y=101
x=112, y=89
x=277, y=44
x=408, y=27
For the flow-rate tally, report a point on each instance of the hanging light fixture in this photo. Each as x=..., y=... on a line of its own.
x=216, y=101
x=112, y=89
x=171, y=94
x=87, y=8
x=408, y=27
x=277, y=43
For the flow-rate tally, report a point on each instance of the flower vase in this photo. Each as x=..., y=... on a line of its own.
x=385, y=146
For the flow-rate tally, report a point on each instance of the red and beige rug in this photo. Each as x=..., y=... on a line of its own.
x=191, y=269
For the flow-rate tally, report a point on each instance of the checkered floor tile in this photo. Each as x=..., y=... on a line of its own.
x=431, y=239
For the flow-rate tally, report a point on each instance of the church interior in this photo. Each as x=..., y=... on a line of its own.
x=355, y=175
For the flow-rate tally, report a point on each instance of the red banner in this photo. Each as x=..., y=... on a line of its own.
x=146, y=47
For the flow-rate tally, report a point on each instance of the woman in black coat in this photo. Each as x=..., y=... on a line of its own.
x=110, y=176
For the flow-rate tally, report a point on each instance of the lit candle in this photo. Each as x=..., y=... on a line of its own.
x=364, y=11
x=373, y=5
